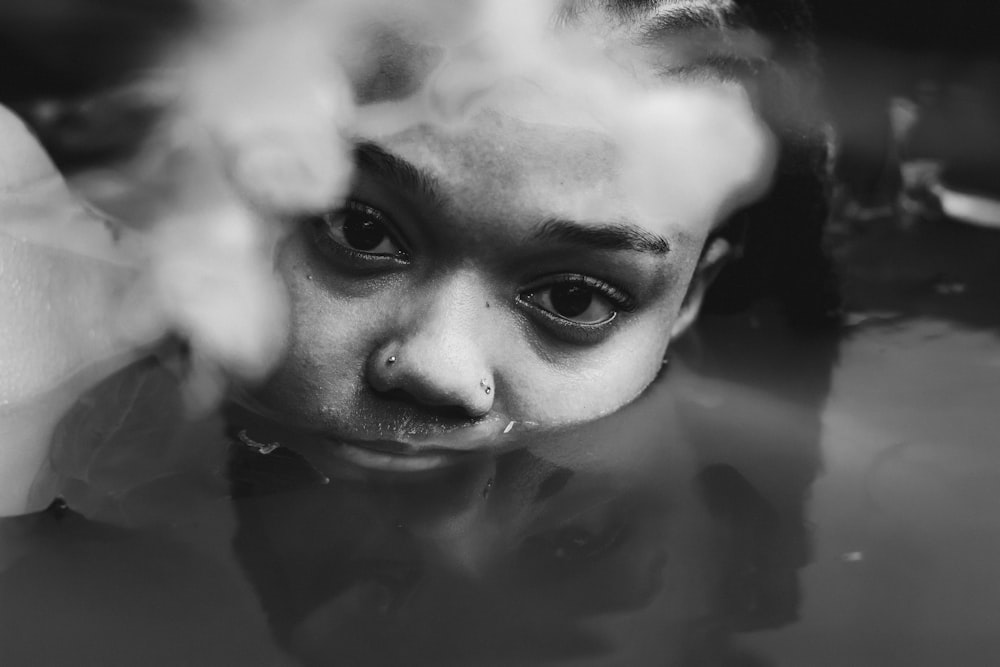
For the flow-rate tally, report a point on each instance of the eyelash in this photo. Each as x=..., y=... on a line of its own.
x=620, y=300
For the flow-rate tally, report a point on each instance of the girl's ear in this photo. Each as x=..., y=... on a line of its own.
x=717, y=253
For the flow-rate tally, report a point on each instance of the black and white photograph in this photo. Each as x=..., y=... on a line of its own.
x=499, y=333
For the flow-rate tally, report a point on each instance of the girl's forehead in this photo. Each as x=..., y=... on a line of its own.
x=674, y=158
x=510, y=151
x=507, y=168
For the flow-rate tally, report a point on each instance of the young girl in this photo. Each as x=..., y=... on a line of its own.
x=519, y=263
x=529, y=265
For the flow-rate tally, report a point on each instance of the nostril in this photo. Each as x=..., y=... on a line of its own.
x=446, y=378
x=445, y=411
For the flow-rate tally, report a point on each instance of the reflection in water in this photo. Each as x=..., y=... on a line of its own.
x=649, y=537
x=513, y=559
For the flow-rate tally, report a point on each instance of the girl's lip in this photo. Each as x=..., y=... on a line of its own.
x=394, y=456
x=415, y=452
x=408, y=448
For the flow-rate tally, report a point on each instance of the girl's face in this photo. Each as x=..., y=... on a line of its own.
x=480, y=280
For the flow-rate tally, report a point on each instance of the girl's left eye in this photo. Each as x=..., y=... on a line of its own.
x=361, y=230
x=578, y=300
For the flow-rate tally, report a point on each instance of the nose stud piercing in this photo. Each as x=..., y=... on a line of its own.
x=390, y=361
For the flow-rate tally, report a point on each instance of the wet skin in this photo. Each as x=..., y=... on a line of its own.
x=501, y=254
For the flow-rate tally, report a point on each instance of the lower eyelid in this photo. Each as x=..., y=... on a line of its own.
x=567, y=330
x=611, y=305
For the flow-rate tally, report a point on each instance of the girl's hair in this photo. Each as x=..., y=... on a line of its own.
x=779, y=239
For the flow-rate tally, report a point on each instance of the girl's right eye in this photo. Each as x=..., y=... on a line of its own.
x=360, y=232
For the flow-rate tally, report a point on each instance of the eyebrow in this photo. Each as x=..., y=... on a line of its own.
x=603, y=237
x=724, y=51
x=691, y=14
x=372, y=158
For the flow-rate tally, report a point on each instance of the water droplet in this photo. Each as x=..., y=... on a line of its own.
x=260, y=447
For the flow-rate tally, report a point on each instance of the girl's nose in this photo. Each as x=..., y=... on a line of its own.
x=437, y=357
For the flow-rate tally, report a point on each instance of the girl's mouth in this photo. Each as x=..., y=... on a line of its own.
x=405, y=449
x=393, y=456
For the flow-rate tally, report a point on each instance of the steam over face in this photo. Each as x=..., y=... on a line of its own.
x=263, y=106
x=493, y=173
x=557, y=151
